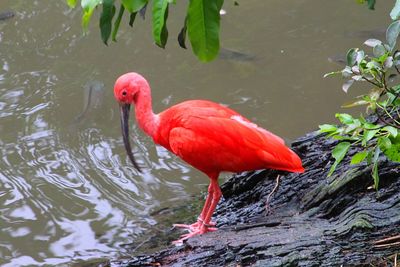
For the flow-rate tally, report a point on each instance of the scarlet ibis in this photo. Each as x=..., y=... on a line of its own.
x=208, y=136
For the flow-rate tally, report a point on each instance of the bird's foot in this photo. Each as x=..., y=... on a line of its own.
x=194, y=226
x=199, y=231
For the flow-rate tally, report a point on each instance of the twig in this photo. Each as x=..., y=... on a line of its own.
x=368, y=80
x=387, y=242
x=390, y=116
x=387, y=239
x=267, y=206
x=387, y=245
x=396, y=125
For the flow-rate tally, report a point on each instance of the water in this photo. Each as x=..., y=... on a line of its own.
x=67, y=190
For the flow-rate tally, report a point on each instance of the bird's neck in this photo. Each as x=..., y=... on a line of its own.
x=145, y=117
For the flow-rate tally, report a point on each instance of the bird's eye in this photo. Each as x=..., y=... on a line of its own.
x=124, y=93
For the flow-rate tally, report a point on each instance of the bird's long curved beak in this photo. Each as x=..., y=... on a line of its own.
x=124, y=112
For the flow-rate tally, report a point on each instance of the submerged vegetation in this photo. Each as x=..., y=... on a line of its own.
x=379, y=70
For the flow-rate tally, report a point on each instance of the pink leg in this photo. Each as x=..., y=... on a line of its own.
x=195, y=226
x=204, y=222
x=216, y=197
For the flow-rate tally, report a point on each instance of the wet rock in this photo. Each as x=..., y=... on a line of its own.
x=312, y=220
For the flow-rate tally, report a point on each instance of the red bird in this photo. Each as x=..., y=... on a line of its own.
x=208, y=136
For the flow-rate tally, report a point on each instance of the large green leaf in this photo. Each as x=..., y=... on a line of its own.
x=160, y=15
x=134, y=5
x=106, y=19
x=88, y=7
x=338, y=154
x=203, y=21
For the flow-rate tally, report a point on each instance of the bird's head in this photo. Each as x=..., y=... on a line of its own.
x=126, y=90
x=128, y=86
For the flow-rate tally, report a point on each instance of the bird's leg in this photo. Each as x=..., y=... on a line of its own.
x=216, y=196
x=200, y=220
x=207, y=204
x=204, y=223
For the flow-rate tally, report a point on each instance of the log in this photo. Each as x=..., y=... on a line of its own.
x=311, y=220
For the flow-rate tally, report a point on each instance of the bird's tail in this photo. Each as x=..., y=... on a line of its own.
x=285, y=160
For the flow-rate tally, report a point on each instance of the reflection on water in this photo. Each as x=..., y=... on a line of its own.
x=67, y=189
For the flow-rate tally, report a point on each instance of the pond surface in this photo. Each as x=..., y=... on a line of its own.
x=67, y=190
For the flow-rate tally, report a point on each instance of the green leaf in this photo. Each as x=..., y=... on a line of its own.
x=384, y=143
x=344, y=118
x=378, y=50
x=203, y=21
x=160, y=15
x=351, y=56
x=359, y=157
x=370, y=126
x=393, y=131
x=393, y=153
x=392, y=33
x=106, y=17
x=327, y=128
x=117, y=23
x=72, y=3
x=347, y=85
x=395, y=13
x=88, y=7
x=368, y=135
x=371, y=4
x=338, y=154
x=375, y=174
x=372, y=42
x=134, y=5
x=369, y=157
x=332, y=73
x=355, y=104
x=132, y=18
x=182, y=36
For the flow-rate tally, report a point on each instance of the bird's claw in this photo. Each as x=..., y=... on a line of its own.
x=194, y=229
x=195, y=226
x=190, y=227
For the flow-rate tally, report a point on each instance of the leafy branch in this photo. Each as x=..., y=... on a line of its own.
x=201, y=24
x=378, y=70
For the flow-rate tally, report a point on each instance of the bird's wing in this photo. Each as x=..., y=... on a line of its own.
x=228, y=144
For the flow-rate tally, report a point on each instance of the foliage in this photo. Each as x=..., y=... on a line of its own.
x=202, y=21
x=378, y=69
x=370, y=3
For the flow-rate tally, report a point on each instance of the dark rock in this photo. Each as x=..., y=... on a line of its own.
x=313, y=220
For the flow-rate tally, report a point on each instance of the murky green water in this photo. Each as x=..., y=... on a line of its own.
x=67, y=189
